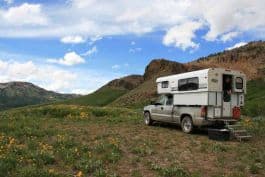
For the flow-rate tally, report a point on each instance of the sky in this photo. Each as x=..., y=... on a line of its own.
x=76, y=46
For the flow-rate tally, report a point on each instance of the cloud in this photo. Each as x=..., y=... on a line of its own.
x=237, y=45
x=69, y=59
x=136, y=17
x=134, y=50
x=49, y=77
x=133, y=43
x=91, y=51
x=229, y=36
x=116, y=66
x=95, y=39
x=239, y=16
x=81, y=91
x=25, y=14
x=181, y=35
x=9, y=1
x=73, y=40
x=53, y=78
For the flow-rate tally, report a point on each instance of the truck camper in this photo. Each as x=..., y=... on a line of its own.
x=199, y=98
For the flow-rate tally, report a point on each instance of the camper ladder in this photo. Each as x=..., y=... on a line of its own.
x=237, y=131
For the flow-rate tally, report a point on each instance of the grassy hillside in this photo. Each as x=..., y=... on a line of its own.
x=255, y=98
x=138, y=97
x=63, y=141
x=17, y=94
x=110, y=92
x=101, y=97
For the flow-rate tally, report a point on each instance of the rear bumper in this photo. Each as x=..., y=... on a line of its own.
x=224, y=119
x=202, y=121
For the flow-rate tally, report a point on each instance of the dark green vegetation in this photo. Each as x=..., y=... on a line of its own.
x=17, y=94
x=255, y=98
x=65, y=140
x=102, y=97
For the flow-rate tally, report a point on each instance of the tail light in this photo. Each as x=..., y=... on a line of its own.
x=203, y=111
x=236, y=112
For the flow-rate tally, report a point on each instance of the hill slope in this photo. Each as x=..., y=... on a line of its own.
x=17, y=94
x=249, y=58
x=255, y=98
x=109, y=92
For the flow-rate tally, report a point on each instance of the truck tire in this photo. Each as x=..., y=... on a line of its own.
x=187, y=124
x=147, y=119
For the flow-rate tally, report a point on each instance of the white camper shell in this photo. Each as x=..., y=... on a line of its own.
x=208, y=88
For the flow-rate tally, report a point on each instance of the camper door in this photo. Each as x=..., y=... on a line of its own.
x=227, y=95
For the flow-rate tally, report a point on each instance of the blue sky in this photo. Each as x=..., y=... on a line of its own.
x=76, y=46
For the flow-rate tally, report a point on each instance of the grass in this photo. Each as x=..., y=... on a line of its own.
x=66, y=140
x=255, y=98
x=102, y=97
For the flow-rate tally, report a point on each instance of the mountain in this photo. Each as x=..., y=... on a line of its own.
x=17, y=94
x=249, y=58
x=110, y=92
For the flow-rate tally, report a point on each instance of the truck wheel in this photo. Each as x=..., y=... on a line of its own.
x=187, y=125
x=147, y=119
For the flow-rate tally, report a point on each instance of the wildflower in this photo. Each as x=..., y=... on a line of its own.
x=76, y=150
x=83, y=115
x=114, y=142
x=79, y=174
x=51, y=170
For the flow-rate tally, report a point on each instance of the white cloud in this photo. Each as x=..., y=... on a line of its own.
x=25, y=14
x=181, y=35
x=73, y=40
x=232, y=15
x=134, y=50
x=229, y=36
x=91, y=51
x=116, y=66
x=46, y=76
x=9, y=1
x=69, y=59
x=81, y=91
x=237, y=45
x=133, y=43
x=95, y=39
x=222, y=20
x=53, y=78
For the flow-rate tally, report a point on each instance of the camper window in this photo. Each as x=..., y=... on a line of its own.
x=239, y=83
x=188, y=84
x=164, y=84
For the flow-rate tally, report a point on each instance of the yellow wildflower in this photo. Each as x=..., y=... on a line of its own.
x=51, y=170
x=83, y=115
x=79, y=174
